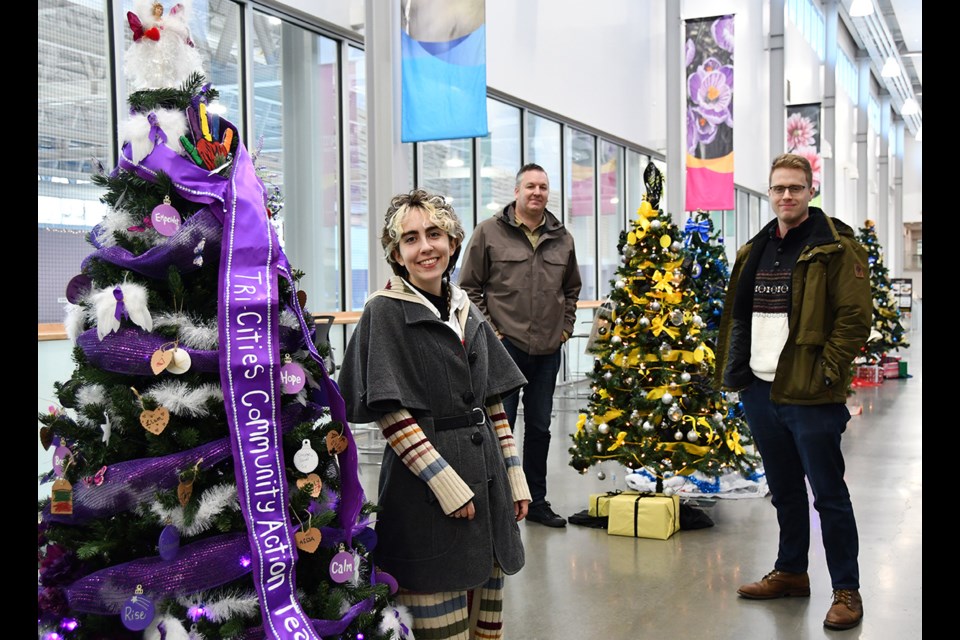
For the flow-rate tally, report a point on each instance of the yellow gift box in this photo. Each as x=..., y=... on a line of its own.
x=599, y=506
x=644, y=515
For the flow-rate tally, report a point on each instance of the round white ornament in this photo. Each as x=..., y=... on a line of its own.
x=181, y=362
x=306, y=460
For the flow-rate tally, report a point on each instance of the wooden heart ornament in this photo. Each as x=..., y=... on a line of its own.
x=308, y=540
x=313, y=480
x=336, y=443
x=160, y=360
x=156, y=420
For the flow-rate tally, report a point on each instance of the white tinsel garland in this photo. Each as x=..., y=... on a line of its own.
x=230, y=605
x=136, y=131
x=212, y=502
x=173, y=629
x=182, y=399
x=74, y=319
x=191, y=332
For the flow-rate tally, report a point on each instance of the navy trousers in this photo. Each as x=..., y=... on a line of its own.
x=797, y=442
x=541, y=374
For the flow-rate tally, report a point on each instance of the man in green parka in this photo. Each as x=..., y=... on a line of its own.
x=797, y=311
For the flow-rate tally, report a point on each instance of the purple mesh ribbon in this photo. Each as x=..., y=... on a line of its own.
x=129, y=350
x=105, y=591
x=134, y=482
x=180, y=249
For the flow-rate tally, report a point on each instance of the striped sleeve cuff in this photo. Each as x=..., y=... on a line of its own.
x=508, y=447
x=407, y=440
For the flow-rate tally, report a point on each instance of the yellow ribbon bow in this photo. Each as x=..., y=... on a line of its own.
x=581, y=421
x=621, y=437
x=659, y=325
x=733, y=442
x=662, y=282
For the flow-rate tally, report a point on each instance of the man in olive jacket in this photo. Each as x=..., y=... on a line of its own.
x=798, y=309
x=520, y=268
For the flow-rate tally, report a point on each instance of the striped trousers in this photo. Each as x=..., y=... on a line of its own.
x=458, y=615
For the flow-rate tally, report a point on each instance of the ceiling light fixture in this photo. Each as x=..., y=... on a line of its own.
x=891, y=68
x=910, y=107
x=861, y=8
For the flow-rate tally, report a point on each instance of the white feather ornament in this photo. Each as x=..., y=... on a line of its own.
x=182, y=399
x=136, y=131
x=73, y=320
x=397, y=620
x=106, y=305
x=231, y=605
x=172, y=629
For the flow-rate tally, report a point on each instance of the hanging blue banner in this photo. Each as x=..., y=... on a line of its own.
x=444, y=67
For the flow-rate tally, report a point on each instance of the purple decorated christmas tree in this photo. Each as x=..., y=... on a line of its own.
x=204, y=477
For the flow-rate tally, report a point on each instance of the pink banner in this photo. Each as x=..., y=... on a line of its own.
x=709, y=63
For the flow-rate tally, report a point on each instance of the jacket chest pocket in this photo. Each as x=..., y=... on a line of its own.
x=509, y=270
x=813, y=306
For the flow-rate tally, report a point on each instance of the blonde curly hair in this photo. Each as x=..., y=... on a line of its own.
x=439, y=211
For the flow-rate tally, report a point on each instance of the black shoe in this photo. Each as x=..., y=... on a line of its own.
x=543, y=514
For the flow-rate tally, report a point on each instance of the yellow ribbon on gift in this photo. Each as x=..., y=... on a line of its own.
x=621, y=437
x=659, y=325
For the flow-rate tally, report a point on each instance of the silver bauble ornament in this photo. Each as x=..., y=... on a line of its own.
x=607, y=375
x=678, y=435
x=674, y=413
x=676, y=246
x=616, y=339
x=655, y=306
x=676, y=317
x=655, y=224
x=644, y=322
x=692, y=436
x=666, y=398
x=697, y=321
x=685, y=377
x=603, y=428
x=718, y=417
x=601, y=475
x=647, y=425
x=620, y=284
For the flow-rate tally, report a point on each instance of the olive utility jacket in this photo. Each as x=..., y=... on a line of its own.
x=830, y=316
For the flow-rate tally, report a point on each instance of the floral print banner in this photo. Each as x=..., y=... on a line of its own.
x=709, y=58
x=803, y=137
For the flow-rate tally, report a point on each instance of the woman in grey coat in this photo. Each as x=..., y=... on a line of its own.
x=428, y=369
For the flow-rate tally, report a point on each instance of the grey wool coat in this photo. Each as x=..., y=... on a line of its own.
x=401, y=355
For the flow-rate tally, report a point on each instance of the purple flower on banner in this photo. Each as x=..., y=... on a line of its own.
x=723, y=33
x=690, y=50
x=706, y=130
x=800, y=132
x=711, y=89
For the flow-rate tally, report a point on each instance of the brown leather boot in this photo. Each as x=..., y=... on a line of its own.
x=777, y=584
x=846, y=612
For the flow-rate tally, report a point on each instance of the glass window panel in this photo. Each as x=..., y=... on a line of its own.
x=580, y=187
x=543, y=148
x=358, y=206
x=499, y=160
x=296, y=122
x=636, y=163
x=446, y=169
x=610, y=222
x=74, y=132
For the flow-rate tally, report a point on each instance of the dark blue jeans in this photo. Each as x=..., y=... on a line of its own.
x=797, y=442
x=541, y=374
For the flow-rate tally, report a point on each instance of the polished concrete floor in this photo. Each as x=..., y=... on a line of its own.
x=580, y=583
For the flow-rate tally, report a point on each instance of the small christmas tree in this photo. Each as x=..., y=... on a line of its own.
x=887, y=333
x=205, y=479
x=652, y=405
x=707, y=269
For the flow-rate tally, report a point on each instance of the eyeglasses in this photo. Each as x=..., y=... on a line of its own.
x=794, y=189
